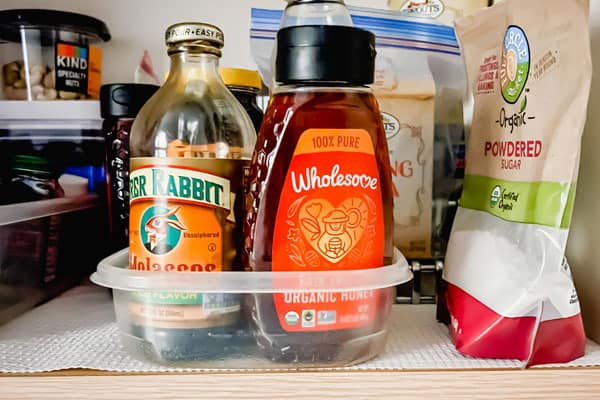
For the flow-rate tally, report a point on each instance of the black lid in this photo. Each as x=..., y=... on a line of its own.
x=12, y=20
x=124, y=99
x=325, y=53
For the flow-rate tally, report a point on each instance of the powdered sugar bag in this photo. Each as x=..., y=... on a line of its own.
x=510, y=293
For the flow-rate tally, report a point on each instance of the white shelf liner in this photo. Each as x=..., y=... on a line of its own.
x=77, y=330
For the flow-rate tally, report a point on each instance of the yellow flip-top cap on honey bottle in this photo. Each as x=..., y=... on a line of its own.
x=241, y=77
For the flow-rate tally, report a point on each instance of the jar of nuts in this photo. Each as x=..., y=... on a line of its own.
x=50, y=55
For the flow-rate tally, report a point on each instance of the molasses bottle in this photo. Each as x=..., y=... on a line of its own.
x=190, y=146
x=320, y=196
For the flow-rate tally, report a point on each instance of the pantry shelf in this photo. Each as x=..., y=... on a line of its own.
x=81, y=353
x=502, y=384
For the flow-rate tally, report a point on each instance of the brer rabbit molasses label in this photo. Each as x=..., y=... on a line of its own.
x=184, y=218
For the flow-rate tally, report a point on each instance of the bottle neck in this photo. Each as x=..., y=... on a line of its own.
x=306, y=87
x=193, y=66
x=316, y=12
x=245, y=90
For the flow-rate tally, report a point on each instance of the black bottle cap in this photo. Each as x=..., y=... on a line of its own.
x=124, y=100
x=325, y=53
x=12, y=21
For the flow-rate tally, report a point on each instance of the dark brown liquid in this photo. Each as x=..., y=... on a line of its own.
x=287, y=117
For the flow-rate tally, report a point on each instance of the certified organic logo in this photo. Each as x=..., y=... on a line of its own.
x=161, y=229
x=308, y=318
x=495, y=196
x=292, y=318
x=514, y=69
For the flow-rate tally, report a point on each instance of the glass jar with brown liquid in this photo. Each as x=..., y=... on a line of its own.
x=190, y=145
x=320, y=196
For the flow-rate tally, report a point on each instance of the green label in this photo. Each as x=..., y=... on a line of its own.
x=167, y=298
x=542, y=203
x=208, y=301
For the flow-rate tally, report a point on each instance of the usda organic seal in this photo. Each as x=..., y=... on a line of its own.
x=292, y=318
x=495, y=197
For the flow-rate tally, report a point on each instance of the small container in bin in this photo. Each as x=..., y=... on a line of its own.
x=147, y=337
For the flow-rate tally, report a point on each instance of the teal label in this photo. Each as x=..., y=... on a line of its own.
x=161, y=229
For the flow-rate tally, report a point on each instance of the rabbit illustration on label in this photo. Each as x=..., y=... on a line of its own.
x=161, y=229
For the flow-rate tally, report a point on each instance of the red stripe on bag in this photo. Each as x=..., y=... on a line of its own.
x=478, y=331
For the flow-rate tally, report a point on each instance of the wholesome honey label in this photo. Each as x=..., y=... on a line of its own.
x=330, y=217
x=184, y=215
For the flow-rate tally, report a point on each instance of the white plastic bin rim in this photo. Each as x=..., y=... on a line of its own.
x=19, y=212
x=113, y=273
x=58, y=110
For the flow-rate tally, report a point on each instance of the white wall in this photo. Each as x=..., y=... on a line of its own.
x=136, y=25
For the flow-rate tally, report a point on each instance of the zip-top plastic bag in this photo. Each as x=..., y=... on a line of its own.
x=420, y=85
x=510, y=291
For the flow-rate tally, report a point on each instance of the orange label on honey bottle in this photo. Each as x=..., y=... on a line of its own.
x=330, y=217
x=183, y=219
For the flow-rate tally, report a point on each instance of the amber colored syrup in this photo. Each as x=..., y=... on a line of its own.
x=288, y=115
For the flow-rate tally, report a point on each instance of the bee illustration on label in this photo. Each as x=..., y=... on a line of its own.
x=333, y=231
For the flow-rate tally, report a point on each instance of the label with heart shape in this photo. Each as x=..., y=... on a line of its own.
x=333, y=231
x=330, y=217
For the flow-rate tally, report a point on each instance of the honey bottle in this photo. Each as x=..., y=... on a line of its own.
x=190, y=146
x=320, y=195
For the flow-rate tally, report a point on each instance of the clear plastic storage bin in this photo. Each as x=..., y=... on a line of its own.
x=46, y=247
x=68, y=133
x=147, y=332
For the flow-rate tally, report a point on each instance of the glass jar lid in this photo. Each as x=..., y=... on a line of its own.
x=12, y=21
x=195, y=33
x=241, y=78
